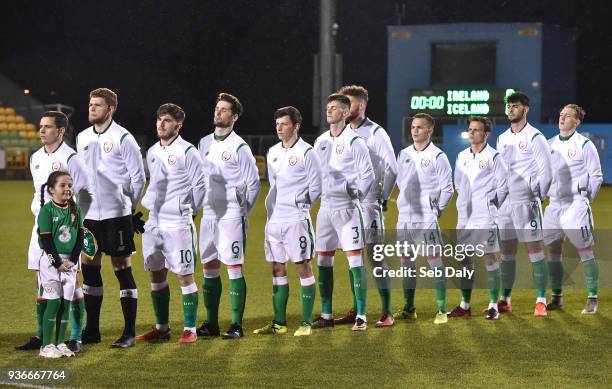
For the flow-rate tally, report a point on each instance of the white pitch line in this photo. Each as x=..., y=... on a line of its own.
x=25, y=385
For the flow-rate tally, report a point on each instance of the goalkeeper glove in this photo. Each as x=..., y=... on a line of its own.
x=137, y=222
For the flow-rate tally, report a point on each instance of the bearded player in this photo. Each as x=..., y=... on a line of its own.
x=385, y=173
x=233, y=186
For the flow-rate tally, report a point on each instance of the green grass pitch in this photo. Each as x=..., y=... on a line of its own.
x=565, y=349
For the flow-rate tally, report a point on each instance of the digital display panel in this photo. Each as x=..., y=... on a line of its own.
x=460, y=102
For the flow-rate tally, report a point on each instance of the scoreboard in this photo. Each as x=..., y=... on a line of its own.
x=459, y=102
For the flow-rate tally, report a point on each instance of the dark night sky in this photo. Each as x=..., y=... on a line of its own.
x=187, y=51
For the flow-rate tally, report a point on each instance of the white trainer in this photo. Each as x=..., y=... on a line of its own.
x=64, y=350
x=50, y=351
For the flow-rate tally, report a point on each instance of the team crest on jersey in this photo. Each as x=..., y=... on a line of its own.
x=171, y=159
x=225, y=156
x=425, y=162
x=108, y=146
x=523, y=145
x=571, y=153
x=292, y=160
x=56, y=165
x=339, y=149
x=65, y=237
x=482, y=165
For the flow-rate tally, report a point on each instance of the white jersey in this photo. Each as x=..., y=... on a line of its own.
x=383, y=160
x=63, y=158
x=177, y=186
x=295, y=182
x=231, y=176
x=527, y=156
x=346, y=169
x=576, y=169
x=116, y=176
x=481, y=184
x=425, y=183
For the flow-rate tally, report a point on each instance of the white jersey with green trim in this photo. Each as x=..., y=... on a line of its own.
x=232, y=178
x=527, y=156
x=382, y=157
x=116, y=176
x=295, y=182
x=177, y=185
x=481, y=182
x=64, y=158
x=346, y=169
x=576, y=169
x=425, y=183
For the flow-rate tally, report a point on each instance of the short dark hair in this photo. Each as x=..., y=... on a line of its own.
x=108, y=95
x=426, y=116
x=518, y=97
x=340, y=98
x=580, y=112
x=60, y=118
x=293, y=113
x=233, y=100
x=355, y=91
x=484, y=120
x=173, y=110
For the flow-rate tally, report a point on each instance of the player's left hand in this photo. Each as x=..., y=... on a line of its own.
x=384, y=205
x=137, y=222
x=66, y=266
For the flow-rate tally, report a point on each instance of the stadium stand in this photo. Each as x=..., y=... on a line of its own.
x=15, y=131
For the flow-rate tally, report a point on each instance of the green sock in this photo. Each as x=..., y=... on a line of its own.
x=409, y=286
x=508, y=274
x=212, y=296
x=351, y=286
x=237, y=290
x=467, y=283
x=494, y=284
x=190, y=309
x=41, y=305
x=466, y=295
x=308, y=298
x=591, y=274
x=539, y=271
x=382, y=284
x=49, y=320
x=62, y=321
x=326, y=288
x=77, y=308
x=440, y=283
x=556, y=277
x=280, y=296
x=161, y=305
x=359, y=285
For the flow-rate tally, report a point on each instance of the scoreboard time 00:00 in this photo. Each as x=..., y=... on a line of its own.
x=460, y=102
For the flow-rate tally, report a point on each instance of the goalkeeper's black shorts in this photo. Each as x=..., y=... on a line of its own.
x=115, y=236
